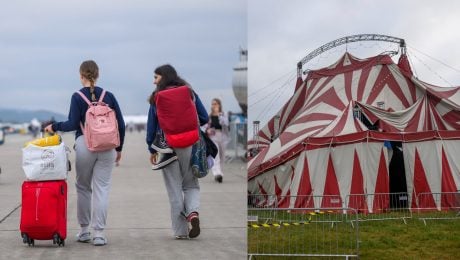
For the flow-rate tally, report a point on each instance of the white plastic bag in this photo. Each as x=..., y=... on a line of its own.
x=45, y=163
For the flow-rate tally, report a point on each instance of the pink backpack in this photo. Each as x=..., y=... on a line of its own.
x=101, y=126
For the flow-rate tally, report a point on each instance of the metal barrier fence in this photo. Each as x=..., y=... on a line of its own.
x=267, y=202
x=238, y=140
x=302, y=232
x=380, y=206
x=437, y=206
x=370, y=207
x=318, y=226
x=300, y=201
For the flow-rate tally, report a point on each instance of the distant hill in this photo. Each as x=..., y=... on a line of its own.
x=24, y=116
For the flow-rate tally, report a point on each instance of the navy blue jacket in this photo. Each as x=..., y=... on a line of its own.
x=78, y=109
x=153, y=126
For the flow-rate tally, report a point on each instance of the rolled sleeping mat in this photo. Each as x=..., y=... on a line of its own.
x=46, y=141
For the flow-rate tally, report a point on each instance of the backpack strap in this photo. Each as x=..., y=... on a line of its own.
x=84, y=97
x=102, y=95
x=87, y=100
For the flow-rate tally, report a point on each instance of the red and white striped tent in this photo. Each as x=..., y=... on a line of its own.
x=318, y=145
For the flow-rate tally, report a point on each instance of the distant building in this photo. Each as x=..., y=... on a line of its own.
x=135, y=123
x=240, y=81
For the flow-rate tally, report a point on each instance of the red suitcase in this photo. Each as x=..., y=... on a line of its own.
x=44, y=211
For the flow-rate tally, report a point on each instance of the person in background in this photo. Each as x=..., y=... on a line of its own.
x=218, y=132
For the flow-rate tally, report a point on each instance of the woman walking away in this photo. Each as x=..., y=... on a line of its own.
x=218, y=132
x=174, y=117
x=95, y=155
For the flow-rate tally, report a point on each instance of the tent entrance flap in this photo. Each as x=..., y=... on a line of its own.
x=398, y=185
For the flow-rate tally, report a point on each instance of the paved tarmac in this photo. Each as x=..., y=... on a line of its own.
x=138, y=225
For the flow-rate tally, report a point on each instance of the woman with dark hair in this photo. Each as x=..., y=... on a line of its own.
x=94, y=169
x=218, y=132
x=182, y=186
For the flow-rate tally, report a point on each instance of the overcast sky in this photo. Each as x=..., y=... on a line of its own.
x=42, y=44
x=280, y=33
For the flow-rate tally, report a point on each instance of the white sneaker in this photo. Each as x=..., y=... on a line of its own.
x=99, y=241
x=84, y=237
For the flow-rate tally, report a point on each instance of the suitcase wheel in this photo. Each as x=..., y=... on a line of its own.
x=27, y=240
x=58, y=240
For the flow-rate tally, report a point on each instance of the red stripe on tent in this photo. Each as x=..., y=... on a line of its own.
x=357, y=200
x=329, y=97
x=263, y=136
x=369, y=115
x=263, y=200
x=412, y=125
x=414, y=200
x=362, y=82
x=257, y=161
x=271, y=126
x=406, y=70
x=428, y=116
x=377, y=60
x=348, y=86
x=331, y=192
x=412, y=89
x=313, y=83
x=425, y=201
x=403, y=64
x=304, y=198
x=444, y=93
x=282, y=201
x=323, y=85
x=288, y=136
x=381, y=201
x=385, y=78
x=298, y=83
x=340, y=125
x=437, y=118
x=386, y=127
x=448, y=200
x=294, y=110
x=314, y=117
x=452, y=118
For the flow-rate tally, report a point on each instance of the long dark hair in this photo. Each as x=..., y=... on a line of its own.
x=169, y=78
x=218, y=103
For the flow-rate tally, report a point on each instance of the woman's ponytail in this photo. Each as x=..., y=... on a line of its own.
x=90, y=71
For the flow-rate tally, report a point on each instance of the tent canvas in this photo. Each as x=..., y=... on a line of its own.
x=331, y=137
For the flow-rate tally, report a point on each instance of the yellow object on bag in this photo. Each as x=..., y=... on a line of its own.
x=46, y=141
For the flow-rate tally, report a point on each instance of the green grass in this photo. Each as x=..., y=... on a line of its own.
x=389, y=239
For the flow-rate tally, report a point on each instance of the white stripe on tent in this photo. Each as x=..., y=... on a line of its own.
x=299, y=165
x=402, y=83
x=370, y=170
x=342, y=158
x=370, y=83
x=317, y=161
x=356, y=76
x=452, y=150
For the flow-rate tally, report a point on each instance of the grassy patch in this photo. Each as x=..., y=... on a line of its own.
x=389, y=239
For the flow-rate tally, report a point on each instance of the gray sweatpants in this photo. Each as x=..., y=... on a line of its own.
x=94, y=172
x=183, y=190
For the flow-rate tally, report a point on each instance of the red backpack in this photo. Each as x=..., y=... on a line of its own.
x=177, y=116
